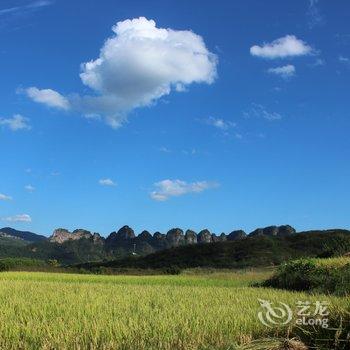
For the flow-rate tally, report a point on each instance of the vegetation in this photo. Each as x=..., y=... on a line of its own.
x=251, y=251
x=8, y=264
x=314, y=275
x=196, y=310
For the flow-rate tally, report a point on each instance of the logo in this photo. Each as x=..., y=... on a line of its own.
x=308, y=314
x=274, y=315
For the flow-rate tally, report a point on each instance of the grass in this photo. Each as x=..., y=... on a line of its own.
x=195, y=310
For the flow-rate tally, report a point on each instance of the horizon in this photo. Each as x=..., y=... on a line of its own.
x=151, y=114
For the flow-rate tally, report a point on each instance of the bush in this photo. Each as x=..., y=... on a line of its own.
x=313, y=275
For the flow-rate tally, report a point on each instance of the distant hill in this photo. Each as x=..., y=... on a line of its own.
x=25, y=235
x=255, y=250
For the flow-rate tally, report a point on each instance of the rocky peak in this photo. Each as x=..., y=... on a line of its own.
x=223, y=237
x=124, y=233
x=159, y=236
x=190, y=237
x=273, y=231
x=175, y=237
x=145, y=236
x=204, y=236
x=235, y=235
x=62, y=235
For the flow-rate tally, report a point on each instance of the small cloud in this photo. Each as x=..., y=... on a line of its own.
x=29, y=188
x=47, y=97
x=343, y=59
x=107, y=182
x=314, y=14
x=284, y=72
x=192, y=152
x=166, y=189
x=18, y=218
x=288, y=46
x=55, y=173
x=259, y=111
x=28, y=170
x=4, y=197
x=318, y=63
x=26, y=8
x=220, y=123
x=164, y=149
x=17, y=122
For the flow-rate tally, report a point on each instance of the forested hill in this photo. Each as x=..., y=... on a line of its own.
x=250, y=251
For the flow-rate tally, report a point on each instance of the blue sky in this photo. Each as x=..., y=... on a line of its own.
x=219, y=115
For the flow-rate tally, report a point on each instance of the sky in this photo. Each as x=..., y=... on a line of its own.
x=194, y=114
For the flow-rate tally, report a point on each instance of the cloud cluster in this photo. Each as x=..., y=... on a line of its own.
x=173, y=188
x=285, y=72
x=287, y=46
x=17, y=122
x=259, y=111
x=138, y=65
x=4, y=197
x=107, y=182
x=18, y=218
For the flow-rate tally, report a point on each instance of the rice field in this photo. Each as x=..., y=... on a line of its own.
x=188, y=311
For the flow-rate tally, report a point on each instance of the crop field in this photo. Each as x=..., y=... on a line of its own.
x=187, y=311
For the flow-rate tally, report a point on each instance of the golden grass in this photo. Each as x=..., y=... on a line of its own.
x=75, y=312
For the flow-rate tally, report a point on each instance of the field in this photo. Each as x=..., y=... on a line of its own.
x=195, y=310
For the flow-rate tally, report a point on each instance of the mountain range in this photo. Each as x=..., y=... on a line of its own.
x=82, y=245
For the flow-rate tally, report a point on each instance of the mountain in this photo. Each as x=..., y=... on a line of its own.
x=25, y=235
x=253, y=250
x=269, y=245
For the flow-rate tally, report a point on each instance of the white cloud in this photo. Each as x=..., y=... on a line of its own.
x=17, y=122
x=259, y=111
x=18, y=218
x=138, y=65
x=283, y=71
x=315, y=17
x=174, y=188
x=48, y=97
x=220, y=123
x=22, y=9
x=164, y=149
x=287, y=46
x=4, y=197
x=107, y=182
x=29, y=188
x=343, y=59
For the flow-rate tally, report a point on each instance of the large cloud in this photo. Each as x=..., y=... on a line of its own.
x=287, y=46
x=173, y=188
x=138, y=65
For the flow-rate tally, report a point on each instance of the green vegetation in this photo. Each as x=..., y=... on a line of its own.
x=8, y=264
x=195, y=310
x=314, y=275
x=251, y=251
